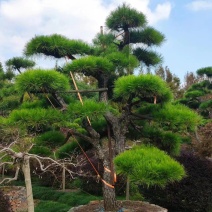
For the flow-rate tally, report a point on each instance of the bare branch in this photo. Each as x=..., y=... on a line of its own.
x=54, y=162
x=11, y=153
x=80, y=135
x=7, y=180
x=5, y=163
x=139, y=116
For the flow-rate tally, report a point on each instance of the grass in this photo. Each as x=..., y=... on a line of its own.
x=51, y=206
x=51, y=200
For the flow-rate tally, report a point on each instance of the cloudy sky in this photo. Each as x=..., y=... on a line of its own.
x=185, y=23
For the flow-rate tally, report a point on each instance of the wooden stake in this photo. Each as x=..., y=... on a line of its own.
x=64, y=178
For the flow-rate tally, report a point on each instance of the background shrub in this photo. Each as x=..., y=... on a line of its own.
x=4, y=203
x=192, y=194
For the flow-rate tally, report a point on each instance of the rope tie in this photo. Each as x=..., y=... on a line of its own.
x=98, y=175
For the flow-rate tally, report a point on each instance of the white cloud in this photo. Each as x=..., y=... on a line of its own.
x=200, y=5
x=161, y=12
x=20, y=20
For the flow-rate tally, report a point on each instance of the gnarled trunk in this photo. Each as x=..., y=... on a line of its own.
x=28, y=183
x=119, y=127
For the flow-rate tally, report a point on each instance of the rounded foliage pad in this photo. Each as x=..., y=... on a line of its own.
x=145, y=87
x=149, y=166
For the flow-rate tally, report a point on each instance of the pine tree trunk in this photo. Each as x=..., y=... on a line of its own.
x=119, y=127
x=28, y=183
x=109, y=195
x=60, y=100
x=102, y=83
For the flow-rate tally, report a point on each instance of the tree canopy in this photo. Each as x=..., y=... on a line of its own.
x=130, y=107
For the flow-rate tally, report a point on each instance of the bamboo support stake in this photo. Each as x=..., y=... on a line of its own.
x=78, y=93
x=128, y=189
x=75, y=85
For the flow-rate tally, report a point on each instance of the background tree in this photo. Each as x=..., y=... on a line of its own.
x=9, y=98
x=198, y=97
x=27, y=123
x=189, y=79
x=18, y=63
x=172, y=80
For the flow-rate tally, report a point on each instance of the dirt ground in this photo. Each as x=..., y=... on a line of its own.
x=125, y=206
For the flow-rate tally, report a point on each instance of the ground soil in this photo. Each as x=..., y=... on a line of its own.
x=125, y=206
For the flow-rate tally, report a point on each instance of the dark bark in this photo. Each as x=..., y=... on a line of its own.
x=120, y=128
x=126, y=39
x=102, y=83
x=60, y=100
x=19, y=71
x=107, y=157
x=126, y=36
x=109, y=195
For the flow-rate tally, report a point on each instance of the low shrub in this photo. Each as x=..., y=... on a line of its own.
x=45, y=193
x=76, y=198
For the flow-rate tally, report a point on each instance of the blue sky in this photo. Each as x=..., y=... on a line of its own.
x=186, y=25
x=188, y=32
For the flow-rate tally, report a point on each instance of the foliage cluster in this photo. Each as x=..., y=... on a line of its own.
x=36, y=118
x=144, y=87
x=55, y=45
x=17, y=63
x=148, y=165
x=90, y=65
x=173, y=116
x=42, y=81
